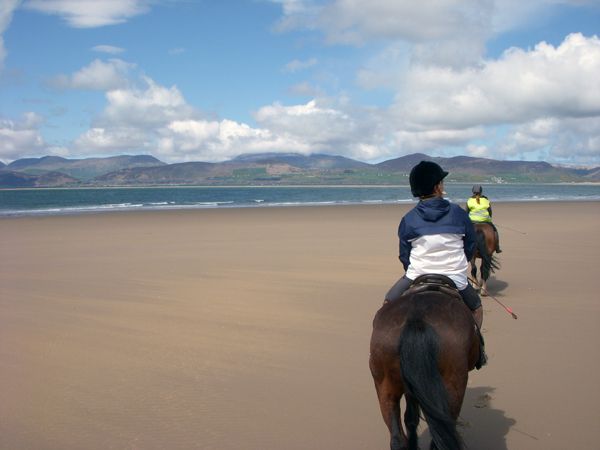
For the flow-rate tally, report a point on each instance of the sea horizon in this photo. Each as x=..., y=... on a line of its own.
x=89, y=200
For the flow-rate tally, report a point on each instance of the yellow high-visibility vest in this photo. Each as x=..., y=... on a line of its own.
x=478, y=212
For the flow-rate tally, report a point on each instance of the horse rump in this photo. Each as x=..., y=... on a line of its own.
x=489, y=263
x=418, y=350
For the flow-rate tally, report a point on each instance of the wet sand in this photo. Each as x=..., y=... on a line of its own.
x=249, y=328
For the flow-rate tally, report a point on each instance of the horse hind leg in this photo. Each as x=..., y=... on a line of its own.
x=389, y=402
x=481, y=281
x=457, y=387
x=456, y=391
x=474, y=274
x=411, y=421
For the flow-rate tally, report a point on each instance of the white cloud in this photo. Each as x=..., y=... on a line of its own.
x=91, y=13
x=571, y=140
x=113, y=141
x=478, y=151
x=98, y=76
x=354, y=132
x=6, y=13
x=297, y=14
x=443, y=32
x=356, y=22
x=305, y=89
x=107, y=49
x=405, y=142
x=295, y=65
x=21, y=138
x=212, y=141
x=519, y=87
x=153, y=106
x=158, y=120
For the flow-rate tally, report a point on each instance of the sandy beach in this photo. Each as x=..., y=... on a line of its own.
x=249, y=328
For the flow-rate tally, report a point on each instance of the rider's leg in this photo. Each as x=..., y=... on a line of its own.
x=473, y=301
x=471, y=298
x=478, y=313
x=398, y=289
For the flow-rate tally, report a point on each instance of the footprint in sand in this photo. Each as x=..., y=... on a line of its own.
x=485, y=397
x=484, y=330
x=463, y=424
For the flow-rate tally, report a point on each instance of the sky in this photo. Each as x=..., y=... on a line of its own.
x=371, y=80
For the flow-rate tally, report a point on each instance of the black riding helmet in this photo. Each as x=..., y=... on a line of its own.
x=477, y=189
x=424, y=176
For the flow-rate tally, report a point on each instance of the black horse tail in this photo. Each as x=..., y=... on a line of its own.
x=418, y=348
x=489, y=263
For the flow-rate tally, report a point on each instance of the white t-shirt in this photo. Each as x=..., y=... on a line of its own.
x=442, y=254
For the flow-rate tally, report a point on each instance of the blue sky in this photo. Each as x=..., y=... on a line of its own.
x=372, y=80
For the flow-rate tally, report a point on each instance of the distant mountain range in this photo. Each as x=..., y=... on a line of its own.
x=274, y=169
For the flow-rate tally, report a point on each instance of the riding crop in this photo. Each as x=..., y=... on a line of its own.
x=480, y=287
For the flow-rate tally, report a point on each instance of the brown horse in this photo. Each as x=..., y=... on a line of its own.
x=487, y=244
x=423, y=346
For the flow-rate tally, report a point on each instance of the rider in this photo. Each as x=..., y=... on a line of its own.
x=480, y=210
x=436, y=237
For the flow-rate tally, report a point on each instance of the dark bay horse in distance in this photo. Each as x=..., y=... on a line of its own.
x=487, y=244
x=423, y=346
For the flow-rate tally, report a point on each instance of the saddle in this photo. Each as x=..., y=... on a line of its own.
x=436, y=283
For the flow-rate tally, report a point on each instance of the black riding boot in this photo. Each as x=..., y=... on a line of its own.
x=483, y=358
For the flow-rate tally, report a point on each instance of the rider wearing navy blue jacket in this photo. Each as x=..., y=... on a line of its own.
x=435, y=216
x=436, y=237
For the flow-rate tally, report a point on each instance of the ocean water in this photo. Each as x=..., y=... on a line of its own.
x=30, y=202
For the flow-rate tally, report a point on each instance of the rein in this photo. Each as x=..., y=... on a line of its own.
x=510, y=229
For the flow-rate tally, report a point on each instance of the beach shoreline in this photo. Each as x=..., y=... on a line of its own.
x=230, y=328
x=20, y=203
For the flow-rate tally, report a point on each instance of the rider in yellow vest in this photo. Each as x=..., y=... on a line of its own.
x=480, y=210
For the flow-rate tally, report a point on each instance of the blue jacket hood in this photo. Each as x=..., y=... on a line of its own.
x=435, y=216
x=432, y=210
